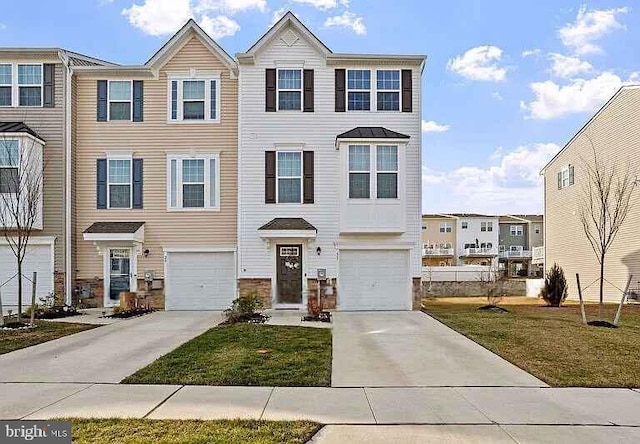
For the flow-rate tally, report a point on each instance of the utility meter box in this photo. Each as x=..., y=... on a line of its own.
x=149, y=276
x=322, y=274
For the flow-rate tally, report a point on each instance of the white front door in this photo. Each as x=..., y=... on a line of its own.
x=119, y=274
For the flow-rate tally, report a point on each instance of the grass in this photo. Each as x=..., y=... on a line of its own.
x=552, y=343
x=246, y=354
x=141, y=431
x=46, y=331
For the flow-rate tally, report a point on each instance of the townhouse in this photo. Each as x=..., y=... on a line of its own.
x=519, y=237
x=439, y=240
x=613, y=133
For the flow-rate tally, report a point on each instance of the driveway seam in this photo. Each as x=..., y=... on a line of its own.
x=162, y=402
x=57, y=401
x=506, y=432
x=370, y=406
x=266, y=403
x=474, y=406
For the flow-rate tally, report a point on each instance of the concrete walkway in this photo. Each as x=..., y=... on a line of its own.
x=411, y=349
x=105, y=354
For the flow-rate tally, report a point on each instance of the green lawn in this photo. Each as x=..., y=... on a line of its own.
x=552, y=343
x=246, y=354
x=142, y=431
x=46, y=331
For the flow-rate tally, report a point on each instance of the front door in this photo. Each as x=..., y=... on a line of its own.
x=289, y=270
x=119, y=273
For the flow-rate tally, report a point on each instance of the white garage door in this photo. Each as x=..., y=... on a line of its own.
x=38, y=258
x=374, y=280
x=200, y=280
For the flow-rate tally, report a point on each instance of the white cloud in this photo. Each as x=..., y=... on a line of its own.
x=230, y=6
x=347, y=20
x=159, y=17
x=219, y=26
x=530, y=52
x=480, y=63
x=567, y=66
x=433, y=127
x=553, y=100
x=320, y=4
x=510, y=184
x=496, y=95
x=277, y=15
x=590, y=26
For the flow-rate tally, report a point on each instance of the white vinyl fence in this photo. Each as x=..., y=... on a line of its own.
x=458, y=273
x=534, y=286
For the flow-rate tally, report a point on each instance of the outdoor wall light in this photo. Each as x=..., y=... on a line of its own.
x=318, y=251
x=146, y=252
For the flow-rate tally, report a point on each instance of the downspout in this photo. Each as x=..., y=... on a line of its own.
x=68, y=234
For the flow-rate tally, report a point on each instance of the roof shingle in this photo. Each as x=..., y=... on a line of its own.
x=114, y=227
x=288, y=223
x=371, y=132
x=18, y=127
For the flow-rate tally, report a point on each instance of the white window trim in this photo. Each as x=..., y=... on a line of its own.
x=130, y=159
x=278, y=177
x=18, y=160
x=396, y=172
x=207, y=184
x=371, y=91
x=463, y=223
x=486, y=226
x=565, y=177
x=537, y=229
x=207, y=99
x=10, y=85
x=446, y=227
x=399, y=91
x=130, y=101
x=301, y=90
x=516, y=248
x=373, y=173
x=350, y=171
x=516, y=230
x=15, y=86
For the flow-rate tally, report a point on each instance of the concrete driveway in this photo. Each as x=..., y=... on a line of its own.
x=106, y=354
x=411, y=349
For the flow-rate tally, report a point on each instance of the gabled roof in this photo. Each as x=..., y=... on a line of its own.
x=114, y=227
x=18, y=127
x=593, y=118
x=288, y=223
x=371, y=132
x=462, y=215
x=437, y=216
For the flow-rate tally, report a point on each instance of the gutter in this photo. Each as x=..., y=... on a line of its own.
x=67, y=136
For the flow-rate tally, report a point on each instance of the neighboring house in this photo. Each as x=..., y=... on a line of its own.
x=35, y=115
x=519, y=235
x=438, y=240
x=614, y=133
x=155, y=174
x=330, y=176
x=477, y=239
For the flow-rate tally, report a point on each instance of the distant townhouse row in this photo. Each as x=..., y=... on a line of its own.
x=283, y=172
x=511, y=242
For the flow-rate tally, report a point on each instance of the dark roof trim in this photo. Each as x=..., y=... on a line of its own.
x=371, y=132
x=114, y=227
x=18, y=127
x=288, y=223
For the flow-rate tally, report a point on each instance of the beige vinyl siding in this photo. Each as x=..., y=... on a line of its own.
x=615, y=132
x=433, y=236
x=49, y=124
x=152, y=140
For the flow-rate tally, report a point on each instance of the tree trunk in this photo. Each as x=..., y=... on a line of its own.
x=601, y=305
x=19, y=291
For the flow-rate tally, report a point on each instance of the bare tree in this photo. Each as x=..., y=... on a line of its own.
x=607, y=193
x=21, y=176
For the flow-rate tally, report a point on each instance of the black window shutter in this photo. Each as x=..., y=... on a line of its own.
x=571, y=175
x=407, y=91
x=340, y=84
x=137, y=183
x=138, y=99
x=102, y=101
x=308, y=91
x=560, y=180
x=308, y=170
x=270, y=90
x=270, y=177
x=101, y=184
x=49, y=84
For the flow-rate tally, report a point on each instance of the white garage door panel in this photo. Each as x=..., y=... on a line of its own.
x=374, y=280
x=200, y=280
x=38, y=258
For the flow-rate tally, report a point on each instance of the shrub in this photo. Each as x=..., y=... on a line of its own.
x=555, y=288
x=244, y=309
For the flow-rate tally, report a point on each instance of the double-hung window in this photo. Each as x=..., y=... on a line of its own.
x=387, y=171
x=194, y=99
x=446, y=227
x=6, y=83
x=536, y=228
x=516, y=230
x=289, y=177
x=119, y=179
x=193, y=182
x=359, y=172
x=566, y=177
x=9, y=162
x=464, y=224
x=381, y=173
x=29, y=85
x=358, y=90
x=388, y=90
x=289, y=89
x=120, y=98
x=486, y=226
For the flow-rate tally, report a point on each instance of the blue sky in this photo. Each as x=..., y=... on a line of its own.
x=506, y=84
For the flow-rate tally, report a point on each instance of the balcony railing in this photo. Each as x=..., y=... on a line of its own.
x=538, y=254
x=480, y=251
x=515, y=254
x=437, y=251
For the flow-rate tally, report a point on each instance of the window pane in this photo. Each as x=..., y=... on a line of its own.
x=289, y=191
x=8, y=153
x=214, y=97
x=9, y=180
x=30, y=96
x=174, y=100
x=5, y=96
x=388, y=101
x=174, y=183
x=289, y=79
x=359, y=158
x=5, y=75
x=359, y=185
x=193, y=90
x=119, y=171
x=387, y=158
x=212, y=182
x=119, y=196
x=193, y=110
x=289, y=164
x=289, y=100
x=120, y=111
x=359, y=79
x=120, y=90
x=193, y=196
x=193, y=170
x=387, y=185
x=388, y=79
x=359, y=101
x=29, y=74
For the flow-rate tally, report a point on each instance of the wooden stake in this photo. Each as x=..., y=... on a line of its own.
x=33, y=298
x=624, y=295
x=584, y=316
